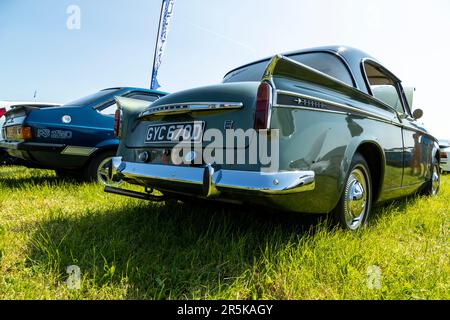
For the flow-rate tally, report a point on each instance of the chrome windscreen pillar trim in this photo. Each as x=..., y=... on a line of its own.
x=212, y=182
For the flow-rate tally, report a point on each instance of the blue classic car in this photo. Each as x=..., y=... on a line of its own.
x=5, y=106
x=76, y=139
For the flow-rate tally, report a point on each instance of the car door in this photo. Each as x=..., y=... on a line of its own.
x=417, y=146
x=382, y=86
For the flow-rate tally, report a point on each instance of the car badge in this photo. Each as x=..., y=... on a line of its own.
x=298, y=101
x=228, y=124
x=66, y=119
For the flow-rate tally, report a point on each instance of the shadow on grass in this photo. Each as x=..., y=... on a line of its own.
x=46, y=178
x=161, y=252
x=176, y=251
x=399, y=205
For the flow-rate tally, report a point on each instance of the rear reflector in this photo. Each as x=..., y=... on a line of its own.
x=117, y=122
x=263, y=106
x=444, y=155
x=2, y=112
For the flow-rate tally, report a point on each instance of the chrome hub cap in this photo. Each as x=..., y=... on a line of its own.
x=435, y=180
x=104, y=173
x=355, y=199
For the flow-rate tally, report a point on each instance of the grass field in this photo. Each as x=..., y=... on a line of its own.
x=131, y=249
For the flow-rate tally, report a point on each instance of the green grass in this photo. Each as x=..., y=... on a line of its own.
x=131, y=249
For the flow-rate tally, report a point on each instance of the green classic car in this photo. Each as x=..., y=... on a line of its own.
x=322, y=130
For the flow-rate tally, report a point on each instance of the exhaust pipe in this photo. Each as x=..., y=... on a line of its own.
x=134, y=194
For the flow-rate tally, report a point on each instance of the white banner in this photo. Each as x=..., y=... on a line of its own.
x=163, y=30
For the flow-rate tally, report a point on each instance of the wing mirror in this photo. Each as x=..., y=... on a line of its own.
x=409, y=93
x=417, y=114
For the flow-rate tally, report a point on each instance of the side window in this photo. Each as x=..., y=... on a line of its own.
x=109, y=111
x=327, y=63
x=142, y=96
x=383, y=87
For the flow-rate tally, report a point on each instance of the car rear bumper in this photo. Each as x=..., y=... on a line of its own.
x=209, y=182
x=31, y=146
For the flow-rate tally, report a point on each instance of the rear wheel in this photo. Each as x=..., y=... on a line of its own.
x=99, y=169
x=355, y=203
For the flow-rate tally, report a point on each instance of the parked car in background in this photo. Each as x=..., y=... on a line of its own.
x=444, y=146
x=347, y=137
x=75, y=139
x=5, y=106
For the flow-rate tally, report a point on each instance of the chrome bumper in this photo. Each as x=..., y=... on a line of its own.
x=212, y=183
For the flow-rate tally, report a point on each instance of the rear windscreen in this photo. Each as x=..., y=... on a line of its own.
x=324, y=62
x=91, y=98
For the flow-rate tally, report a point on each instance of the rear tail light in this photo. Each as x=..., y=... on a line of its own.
x=263, y=101
x=118, y=123
x=26, y=133
x=2, y=112
x=444, y=155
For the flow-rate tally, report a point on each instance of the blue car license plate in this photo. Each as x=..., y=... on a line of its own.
x=190, y=132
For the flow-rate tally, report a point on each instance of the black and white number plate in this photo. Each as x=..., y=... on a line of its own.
x=175, y=132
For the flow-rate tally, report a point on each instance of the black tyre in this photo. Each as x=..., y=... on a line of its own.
x=431, y=188
x=6, y=159
x=355, y=203
x=99, y=168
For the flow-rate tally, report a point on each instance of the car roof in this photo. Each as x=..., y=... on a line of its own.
x=346, y=52
x=351, y=56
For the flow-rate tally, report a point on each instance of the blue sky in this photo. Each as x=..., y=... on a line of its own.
x=115, y=44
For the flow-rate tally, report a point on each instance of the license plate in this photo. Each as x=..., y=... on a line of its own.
x=187, y=132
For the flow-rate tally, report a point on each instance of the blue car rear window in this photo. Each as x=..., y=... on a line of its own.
x=91, y=98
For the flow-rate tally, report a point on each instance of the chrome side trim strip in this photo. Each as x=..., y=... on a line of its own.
x=337, y=104
x=309, y=109
x=78, y=151
x=212, y=183
x=335, y=112
x=351, y=110
x=187, y=107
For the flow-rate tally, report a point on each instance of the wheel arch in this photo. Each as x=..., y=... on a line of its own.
x=104, y=146
x=435, y=153
x=374, y=154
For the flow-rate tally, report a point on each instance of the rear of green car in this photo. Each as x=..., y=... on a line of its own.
x=231, y=155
